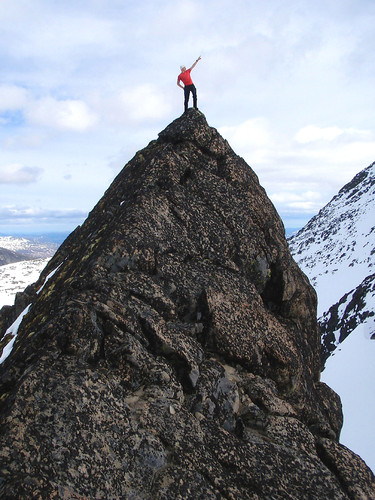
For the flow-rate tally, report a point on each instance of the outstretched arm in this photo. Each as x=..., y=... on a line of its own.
x=193, y=66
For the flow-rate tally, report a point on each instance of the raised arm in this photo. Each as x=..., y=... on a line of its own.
x=193, y=66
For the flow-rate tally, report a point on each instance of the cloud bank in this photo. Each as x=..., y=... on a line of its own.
x=18, y=174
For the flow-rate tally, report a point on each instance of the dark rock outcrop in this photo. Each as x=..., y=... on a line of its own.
x=172, y=349
x=343, y=317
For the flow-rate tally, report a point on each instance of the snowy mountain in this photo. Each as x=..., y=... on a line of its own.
x=26, y=248
x=338, y=244
x=336, y=250
x=21, y=262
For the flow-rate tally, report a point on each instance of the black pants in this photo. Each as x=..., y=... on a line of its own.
x=193, y=90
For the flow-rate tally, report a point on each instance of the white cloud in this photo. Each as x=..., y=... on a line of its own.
x=302, y=171
x=144, y=102
x=63, y=114
x=296, y=198
x=42, y=30
x=25, y=140
x=36, y=219
x=69, y=114
x=303, y=202
x=314, y=133
x=164, y=24
x=133, y=105
x=254, y=133
x=19, y=174
x=12, y=97
x=22, y=214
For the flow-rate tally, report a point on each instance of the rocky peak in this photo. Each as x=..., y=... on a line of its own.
x=171, y=348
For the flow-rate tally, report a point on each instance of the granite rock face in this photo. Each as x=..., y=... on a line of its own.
x=171, y=348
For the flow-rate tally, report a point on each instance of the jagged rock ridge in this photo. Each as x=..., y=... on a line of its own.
x=171, y=348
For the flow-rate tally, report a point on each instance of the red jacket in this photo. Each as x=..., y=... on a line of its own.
x=185, y=77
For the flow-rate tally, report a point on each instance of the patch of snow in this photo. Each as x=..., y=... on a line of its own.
x=48, y=277
x=351, y=373
x=342, y=307
x=17, y=276
x=336, y=333
x=369, y=322
x=13, y=331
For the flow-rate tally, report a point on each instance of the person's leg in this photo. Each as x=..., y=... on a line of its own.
x=194, y=91
x=186, y=92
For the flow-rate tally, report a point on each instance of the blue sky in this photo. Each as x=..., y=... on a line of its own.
x=85, y=84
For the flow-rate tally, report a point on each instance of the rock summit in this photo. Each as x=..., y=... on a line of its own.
x=170, y=349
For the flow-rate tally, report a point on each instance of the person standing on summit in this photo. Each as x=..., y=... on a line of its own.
x=188, y=86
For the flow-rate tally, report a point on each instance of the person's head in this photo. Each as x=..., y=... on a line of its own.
x=182, y=68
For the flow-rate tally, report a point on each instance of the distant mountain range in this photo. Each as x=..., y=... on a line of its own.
x=15, y=249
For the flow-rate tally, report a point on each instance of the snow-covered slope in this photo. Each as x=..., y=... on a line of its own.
x=338, y=245
x=21, y=262
x=350, y=371
x=16, y=277
x=336, y=250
